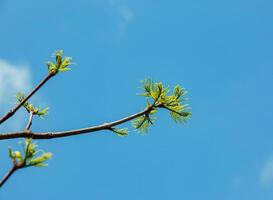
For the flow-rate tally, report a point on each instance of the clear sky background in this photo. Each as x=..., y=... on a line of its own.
x=220, y=51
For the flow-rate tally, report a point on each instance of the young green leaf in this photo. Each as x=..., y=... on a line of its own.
x=38, y=161
x=120, y=132
x=30, y=107
x=61, y=63
x=142, y=123
x=30, y=156
x=174, y=102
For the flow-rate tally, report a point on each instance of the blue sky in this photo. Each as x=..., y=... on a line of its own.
x=220, y=51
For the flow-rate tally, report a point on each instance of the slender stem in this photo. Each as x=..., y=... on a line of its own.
x=149, y=119
x=142, y=122
x=12, y=111
x=8, y=174
x=166, y=107
x=29, y=121
x=51, y=135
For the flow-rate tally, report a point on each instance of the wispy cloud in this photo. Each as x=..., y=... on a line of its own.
x=13, y=78
x=266, y=174
x=125, y=14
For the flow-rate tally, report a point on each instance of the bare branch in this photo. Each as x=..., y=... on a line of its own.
x=12, y=111
x=27, y=129
x=9, y=173
x=51, y=135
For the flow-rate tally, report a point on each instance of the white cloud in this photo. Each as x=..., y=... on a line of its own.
x=13, y=78
x=266, y=175
x=125, y=14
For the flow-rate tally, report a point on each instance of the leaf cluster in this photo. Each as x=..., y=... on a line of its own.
x=61, y=63
x=29, y=156
x=162, y=98
x=30, y=107
x=174, y=103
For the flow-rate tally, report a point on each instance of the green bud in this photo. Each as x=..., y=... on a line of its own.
x=17, y=154
x=59, y=58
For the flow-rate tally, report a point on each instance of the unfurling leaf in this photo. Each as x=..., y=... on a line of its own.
x=61, y=63
x=30, y=156
x=42, y=112
x=20, y=97
x=142, y=123
x=120, y=132
x=174, y=102
x=30, y=107
x=40, y=160
x=11, y=154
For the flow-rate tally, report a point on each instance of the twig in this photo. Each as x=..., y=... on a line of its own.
x=12, y=111
x=142, y=122
x=166, y=107
x=8, y=174
x=27, y=129
x=51, y=135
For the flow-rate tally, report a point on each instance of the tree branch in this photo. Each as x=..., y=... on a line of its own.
x=51, y=135
x=8, y=174
x=12, y=111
